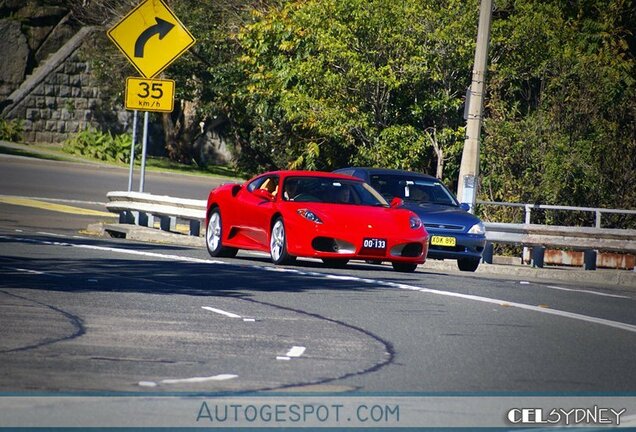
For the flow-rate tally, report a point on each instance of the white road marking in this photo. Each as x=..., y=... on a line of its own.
x=68, y=201
x=221, y=312
x=524, y=282
x=556, y=312
x=258, y=254
x=296, y=351
x=221, y=377
x=29, y=271
x=36, y=272
x=587, y=292
x=51, y=234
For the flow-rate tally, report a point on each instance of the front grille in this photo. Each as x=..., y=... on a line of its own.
x=444, y=226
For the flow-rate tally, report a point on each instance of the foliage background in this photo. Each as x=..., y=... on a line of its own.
x=321, y=84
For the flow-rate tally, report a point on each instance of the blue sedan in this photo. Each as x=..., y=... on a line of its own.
x=454, y=232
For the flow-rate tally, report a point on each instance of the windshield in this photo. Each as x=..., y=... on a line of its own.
x=413, y=189
x=331, y=190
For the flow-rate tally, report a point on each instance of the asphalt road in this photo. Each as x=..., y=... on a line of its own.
x=99, y=314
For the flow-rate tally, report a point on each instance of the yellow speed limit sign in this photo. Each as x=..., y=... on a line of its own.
x=149, y=94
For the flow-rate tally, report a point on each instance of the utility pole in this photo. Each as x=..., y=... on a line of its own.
x=469, y=169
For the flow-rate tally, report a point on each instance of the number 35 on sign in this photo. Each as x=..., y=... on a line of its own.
x=149, y=94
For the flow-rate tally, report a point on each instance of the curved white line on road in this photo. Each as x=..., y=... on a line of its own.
x=587, y=292
x=540, y=309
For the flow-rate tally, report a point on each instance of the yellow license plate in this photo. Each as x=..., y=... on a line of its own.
x=443, y=241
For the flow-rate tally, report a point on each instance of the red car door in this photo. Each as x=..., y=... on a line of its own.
x=255, y=207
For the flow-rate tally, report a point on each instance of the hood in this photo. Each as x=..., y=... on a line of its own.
x=437, y=214
x=355, y=217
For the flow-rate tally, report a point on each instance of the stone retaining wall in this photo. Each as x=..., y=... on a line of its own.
x=67, y=101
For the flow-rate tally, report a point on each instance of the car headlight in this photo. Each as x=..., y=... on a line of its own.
x=478, y=228
x=309, y=215
x=415, y=222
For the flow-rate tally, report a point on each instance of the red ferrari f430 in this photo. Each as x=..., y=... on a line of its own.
x=329, y=216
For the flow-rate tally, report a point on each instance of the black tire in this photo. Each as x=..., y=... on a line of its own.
x=213, y=236
x=468, y=264
x=404, y=267
x=335, y=262
x=278, y=244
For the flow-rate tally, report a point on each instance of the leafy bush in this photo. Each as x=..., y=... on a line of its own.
x=100, y=145
x=11, y=130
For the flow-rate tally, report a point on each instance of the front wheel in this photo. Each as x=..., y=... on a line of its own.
x=278, y=244
x=404, y=267
x=468, y=264
x=213, y=236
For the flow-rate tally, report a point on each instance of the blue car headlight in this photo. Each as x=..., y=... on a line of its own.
x=309, y=215
x=478, y=228
x=415, y=222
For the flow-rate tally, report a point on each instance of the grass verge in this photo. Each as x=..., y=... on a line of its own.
x=55, y=153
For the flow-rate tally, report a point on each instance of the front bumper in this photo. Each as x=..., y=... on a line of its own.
x=318, y=242
x=467, y=246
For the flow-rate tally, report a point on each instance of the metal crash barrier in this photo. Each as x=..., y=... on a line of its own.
x=143, y=208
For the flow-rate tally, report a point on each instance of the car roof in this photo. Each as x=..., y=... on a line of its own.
x=390, y=171
x=305, y=173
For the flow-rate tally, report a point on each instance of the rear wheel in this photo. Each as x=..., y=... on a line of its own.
x=404, y=267
x=278, y=244
x=335, y=262
x=468, y=264
x=214, y=235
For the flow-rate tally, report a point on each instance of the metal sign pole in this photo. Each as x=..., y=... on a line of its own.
x=144, y=146
x=132, y=151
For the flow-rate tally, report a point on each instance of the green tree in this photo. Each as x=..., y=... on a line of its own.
x=560, y=127
x=329, y=83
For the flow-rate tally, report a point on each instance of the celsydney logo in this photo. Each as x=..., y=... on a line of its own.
x=574, y=416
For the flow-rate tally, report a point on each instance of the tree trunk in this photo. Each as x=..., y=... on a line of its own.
x=439, y=152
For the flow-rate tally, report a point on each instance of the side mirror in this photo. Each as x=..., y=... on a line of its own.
x=262, y=193
x=235, y=189
x=464, y=206
x=397, y=202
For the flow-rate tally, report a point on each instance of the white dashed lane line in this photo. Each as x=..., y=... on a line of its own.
x=36, y=272
x=193, y=380
x=294, y=352
x=227, y=314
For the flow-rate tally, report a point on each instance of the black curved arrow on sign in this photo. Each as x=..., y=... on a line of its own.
x=161, y=28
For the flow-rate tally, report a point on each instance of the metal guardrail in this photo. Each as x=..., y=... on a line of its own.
x=598, y=212
x=142, y=209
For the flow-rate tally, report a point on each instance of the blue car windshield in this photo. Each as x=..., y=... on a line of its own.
x=330, y=190
x=413, y=189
